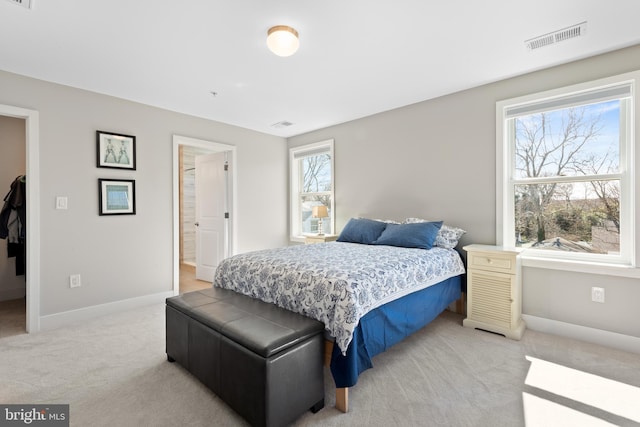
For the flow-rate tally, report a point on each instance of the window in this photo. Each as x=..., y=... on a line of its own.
x=311, y=185
x=565, y=172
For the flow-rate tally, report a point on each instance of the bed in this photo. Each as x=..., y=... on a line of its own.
x=369, y=295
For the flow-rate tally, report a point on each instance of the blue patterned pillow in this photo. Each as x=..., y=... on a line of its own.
x=448, y=236
x=361, y=230
x=417, y=235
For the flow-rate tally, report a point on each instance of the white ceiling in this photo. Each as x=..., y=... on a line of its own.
x=356, y=57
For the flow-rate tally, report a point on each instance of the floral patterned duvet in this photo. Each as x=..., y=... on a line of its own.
x=336, y=283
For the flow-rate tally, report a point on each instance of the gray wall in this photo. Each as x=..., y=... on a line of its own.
x=436, y=159
x=122, y=257
x=12, y=164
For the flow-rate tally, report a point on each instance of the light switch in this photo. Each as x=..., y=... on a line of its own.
x=61, y=202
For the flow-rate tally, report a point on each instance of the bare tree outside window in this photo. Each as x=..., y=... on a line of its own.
x=567, y=190
x=316, y=189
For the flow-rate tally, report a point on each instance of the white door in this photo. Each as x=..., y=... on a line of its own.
x=211, y=208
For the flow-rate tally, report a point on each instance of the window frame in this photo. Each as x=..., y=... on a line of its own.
x=295, y=225
x=505, y=181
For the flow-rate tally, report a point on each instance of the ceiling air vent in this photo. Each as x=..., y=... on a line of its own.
x=571, y=32
x=282, y=124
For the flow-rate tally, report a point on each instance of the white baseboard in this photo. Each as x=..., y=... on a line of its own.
x=57, y=320
x=583, y=333
x=10, y=294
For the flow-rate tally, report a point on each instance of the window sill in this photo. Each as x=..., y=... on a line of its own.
x=581, y=266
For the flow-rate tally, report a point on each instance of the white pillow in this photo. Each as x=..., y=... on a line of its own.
x=388, y=221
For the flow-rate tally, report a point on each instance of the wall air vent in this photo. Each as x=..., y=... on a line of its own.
x=282, y=124
x=27, y=4
x=571, y=32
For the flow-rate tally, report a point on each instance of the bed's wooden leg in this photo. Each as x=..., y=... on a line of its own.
x=342, y=394
x=342, y=399
x=328, y=349
x=461, y=305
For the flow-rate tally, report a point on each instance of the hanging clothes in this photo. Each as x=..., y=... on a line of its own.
x=13, y=223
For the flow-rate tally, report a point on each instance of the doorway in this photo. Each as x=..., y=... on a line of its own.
x=12, y=261
x=202, y=234
x=31, y=166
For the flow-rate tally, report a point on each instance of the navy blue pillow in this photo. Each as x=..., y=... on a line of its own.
x=362, y=230
x=417, y=235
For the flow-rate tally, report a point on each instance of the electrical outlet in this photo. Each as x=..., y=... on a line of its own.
x=74, y=281
x=597, y=294
x=61, y=202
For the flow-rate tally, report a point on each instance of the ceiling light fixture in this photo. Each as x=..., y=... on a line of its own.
x=282, y=40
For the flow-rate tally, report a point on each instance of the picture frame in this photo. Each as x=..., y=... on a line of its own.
x=117, y=196
x=115, y=150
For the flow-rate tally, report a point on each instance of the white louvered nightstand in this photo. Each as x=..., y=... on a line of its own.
x=320, y=239
x=494, y=290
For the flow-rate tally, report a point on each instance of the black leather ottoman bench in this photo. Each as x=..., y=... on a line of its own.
x=265, y=362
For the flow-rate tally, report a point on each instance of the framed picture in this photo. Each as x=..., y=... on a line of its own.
x=117, y=196
x=115, y=151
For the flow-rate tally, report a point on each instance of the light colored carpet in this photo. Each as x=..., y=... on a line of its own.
x=113, y=372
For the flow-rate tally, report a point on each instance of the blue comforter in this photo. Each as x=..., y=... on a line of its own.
x=336, y=283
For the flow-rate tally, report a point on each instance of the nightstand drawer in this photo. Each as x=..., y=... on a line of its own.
x=492, y=262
